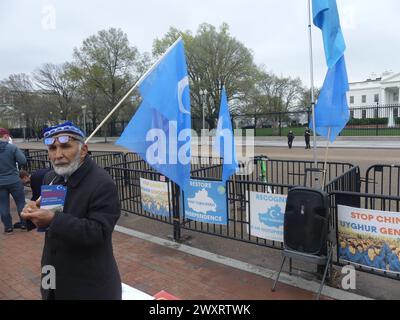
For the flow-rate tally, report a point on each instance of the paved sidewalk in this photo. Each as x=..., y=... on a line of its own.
x=143, y=265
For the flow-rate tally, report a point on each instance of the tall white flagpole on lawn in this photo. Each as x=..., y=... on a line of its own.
x=312, y=84
x=138, y=83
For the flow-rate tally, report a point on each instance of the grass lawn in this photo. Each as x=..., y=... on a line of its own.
x=299, y=131
x=264, y=132
x=371, y=132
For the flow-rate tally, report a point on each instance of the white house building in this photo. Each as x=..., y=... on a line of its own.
x=368, y=99
x=8, y=117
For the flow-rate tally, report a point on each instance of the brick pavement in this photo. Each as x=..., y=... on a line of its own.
x=144, y=265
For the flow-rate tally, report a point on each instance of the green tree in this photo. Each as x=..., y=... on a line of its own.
x=215, y=59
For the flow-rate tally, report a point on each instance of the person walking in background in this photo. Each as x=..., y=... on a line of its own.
x=10, y=182
x=307, y=137
x=290, y=137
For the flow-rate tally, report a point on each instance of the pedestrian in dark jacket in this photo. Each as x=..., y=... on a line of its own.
x=307, y=137
x=78, y=241
x=10, y=182
x=34, y=181
x=290, y=137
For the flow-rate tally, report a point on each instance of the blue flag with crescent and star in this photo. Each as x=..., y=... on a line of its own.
x=160, y=129
x=225, y=140
x=332, y=111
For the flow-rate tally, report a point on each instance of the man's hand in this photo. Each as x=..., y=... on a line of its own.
x=30, y=206
x=40, y=217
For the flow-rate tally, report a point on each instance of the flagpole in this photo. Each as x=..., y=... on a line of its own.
x=326, y=157
x=312, y=84
x=138, y=83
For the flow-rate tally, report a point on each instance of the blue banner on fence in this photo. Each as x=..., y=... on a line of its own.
x=205, y=201
x=266, y=216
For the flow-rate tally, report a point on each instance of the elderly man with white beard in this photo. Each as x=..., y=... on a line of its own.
x=78, y=240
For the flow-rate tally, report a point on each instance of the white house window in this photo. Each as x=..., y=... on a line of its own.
x=376, y=98
x=396, y=112
x=351, y=99
x=364, y=99
x=364, y=114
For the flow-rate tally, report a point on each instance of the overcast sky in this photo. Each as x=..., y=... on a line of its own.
x=275, y=30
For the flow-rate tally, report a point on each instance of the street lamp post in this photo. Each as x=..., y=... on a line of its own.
x=84, y=118
x=377, y=117
x=203, y=94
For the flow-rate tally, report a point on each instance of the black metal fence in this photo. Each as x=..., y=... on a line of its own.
x=368, y=120
x=106, y=159
x=36, y=154
x=349, y=180
x=261, y=174
x=292, y=172
x=127, y=176
x=375, y=120
x=36, y=157
x=32, y=165
x=129, y=190
x=383, y=179
x=344, y=188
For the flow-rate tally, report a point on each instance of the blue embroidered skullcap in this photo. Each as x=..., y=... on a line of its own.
x=66, y=127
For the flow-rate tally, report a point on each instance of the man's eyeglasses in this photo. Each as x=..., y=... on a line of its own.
x=61, y=139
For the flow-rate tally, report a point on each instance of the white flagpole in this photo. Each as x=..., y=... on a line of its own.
x=312, y=84
x=326, y=158
x=138, y=83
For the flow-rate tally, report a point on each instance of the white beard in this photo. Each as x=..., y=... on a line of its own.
x=67, y=171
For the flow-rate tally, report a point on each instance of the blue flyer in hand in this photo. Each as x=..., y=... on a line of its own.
x=52, y=198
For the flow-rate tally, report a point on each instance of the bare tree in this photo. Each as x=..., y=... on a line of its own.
x=36, y=106
x=56, y=80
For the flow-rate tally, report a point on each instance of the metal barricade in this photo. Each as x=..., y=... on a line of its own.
x=107, y=159
x=33, y=165
x=383, y=179
x=129, y=190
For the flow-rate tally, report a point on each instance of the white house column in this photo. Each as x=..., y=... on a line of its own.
x=383, y=96
x=398, y=96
